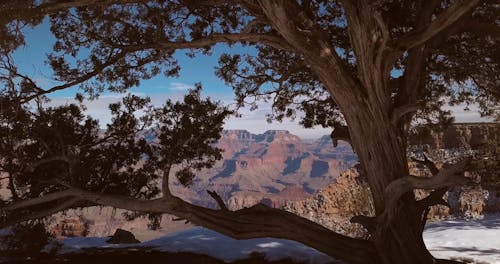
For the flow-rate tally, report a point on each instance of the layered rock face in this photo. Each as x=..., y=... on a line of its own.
x=271, y=168
x=349, y=195
x=280, y=170
x=103, y=221
x=334, y=206
x=267, y=166
x=460, y=136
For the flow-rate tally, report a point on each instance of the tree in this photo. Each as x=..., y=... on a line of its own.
x=368, y=69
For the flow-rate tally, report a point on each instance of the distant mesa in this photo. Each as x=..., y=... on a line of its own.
x=275, y=167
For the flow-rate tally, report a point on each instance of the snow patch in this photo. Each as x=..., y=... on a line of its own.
x=474, y=240
x=228, y=249
x=477, y=240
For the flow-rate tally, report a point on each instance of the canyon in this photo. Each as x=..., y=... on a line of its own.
x=311, y=178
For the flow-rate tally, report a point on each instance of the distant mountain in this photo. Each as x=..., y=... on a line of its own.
x=279, y=169
x=349, y=195
x=268, y=165
x=270, y=168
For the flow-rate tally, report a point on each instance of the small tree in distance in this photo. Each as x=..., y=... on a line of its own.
x=368, y=69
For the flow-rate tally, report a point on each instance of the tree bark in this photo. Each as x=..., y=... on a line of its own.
x=382, y=153
x=367, y=108
x=254, y=222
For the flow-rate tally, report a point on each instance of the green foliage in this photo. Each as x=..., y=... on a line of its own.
x=128, y=43
x=113, y=46
x=47, y=149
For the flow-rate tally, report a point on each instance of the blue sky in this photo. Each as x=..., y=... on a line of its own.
x=30, y=60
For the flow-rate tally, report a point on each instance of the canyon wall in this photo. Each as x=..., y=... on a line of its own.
x=280, y=170
x=349, y=195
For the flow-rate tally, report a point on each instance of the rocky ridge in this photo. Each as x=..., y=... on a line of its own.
x=349, y=195
x=266, y=166
x=280, y=170
x=273, y=168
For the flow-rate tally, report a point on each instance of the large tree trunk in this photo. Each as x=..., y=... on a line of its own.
x=367, y=108
x=381, y=148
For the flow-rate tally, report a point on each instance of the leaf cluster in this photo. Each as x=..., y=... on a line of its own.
x=50, y=148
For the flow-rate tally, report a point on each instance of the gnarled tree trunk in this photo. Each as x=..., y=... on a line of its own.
x=382, y=153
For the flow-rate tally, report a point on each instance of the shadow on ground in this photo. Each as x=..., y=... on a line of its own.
x=108, y=256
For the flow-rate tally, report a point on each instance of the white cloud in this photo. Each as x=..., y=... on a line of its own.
x=463, y=116
x=177, y=86
x=253, y=121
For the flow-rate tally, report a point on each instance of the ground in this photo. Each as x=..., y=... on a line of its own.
x=471, y=241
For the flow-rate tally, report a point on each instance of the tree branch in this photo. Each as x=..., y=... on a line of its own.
x=40, y=214
x=447, y=177
x=404, y=110
x=167, y=45
x=368, y=222
x=340, y=133
x=165, y=182
x=414, y=74
x=218, y=199
x=41, y=200
x=447, y=18
x=306, y=38
x=85, y=77
x=256, y=221
x=428, y=163
x=229, y=38
x=434, y=198
x=38, y=163
x=55, y=6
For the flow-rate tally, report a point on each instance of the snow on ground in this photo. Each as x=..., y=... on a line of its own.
x=477, y=240
x=204, y=241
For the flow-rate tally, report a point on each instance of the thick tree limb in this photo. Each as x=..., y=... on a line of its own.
x=43, y=199
x=447, y=177
x=218, y=199
x=300, y=32
x=414, y=74
x=253, y=222
x=434, y=198
x=404, y=110
x=370, y=35
x=447, y=18
x=428, y=163
x=368, y=222
x=42, y=213
x=340, y=133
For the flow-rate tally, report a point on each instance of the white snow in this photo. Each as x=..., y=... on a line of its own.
x=204, y=241
x=477, y=240
x=201, y=240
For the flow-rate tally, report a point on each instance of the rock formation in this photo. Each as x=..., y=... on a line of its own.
x=349, y=195
x=279, y=169
x=122, y=237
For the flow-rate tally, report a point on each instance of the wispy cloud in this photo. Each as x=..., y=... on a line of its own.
x=465, y=116
x=177, y=86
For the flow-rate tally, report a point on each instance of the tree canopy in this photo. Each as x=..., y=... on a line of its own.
x=368, y=69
